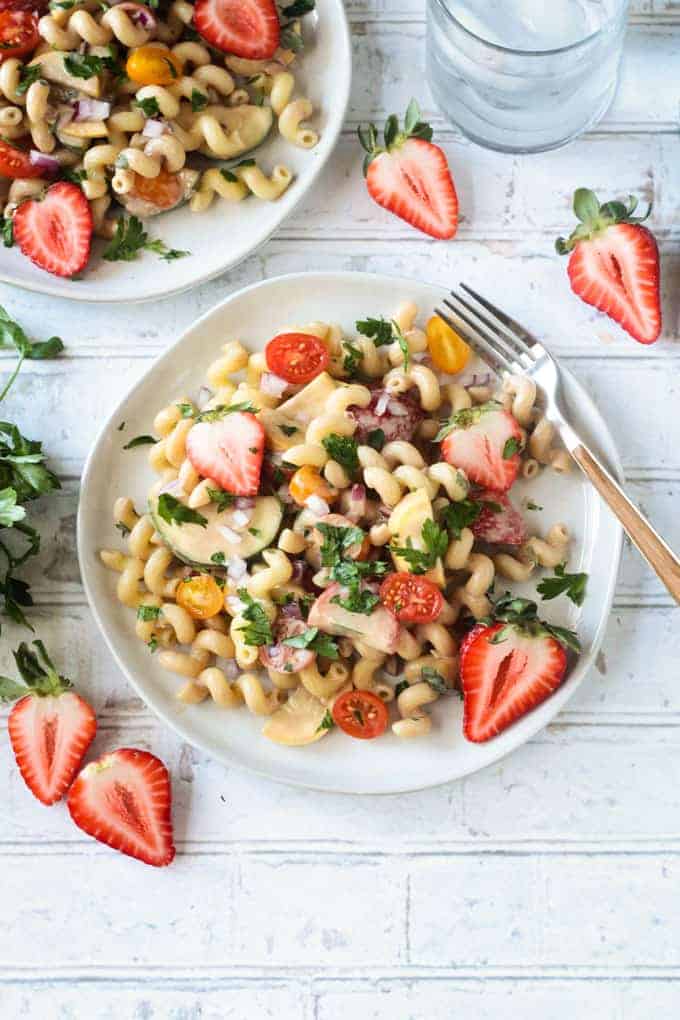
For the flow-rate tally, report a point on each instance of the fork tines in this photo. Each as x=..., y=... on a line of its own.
x=496, y=337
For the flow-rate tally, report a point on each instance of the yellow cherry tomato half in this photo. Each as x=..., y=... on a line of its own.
x=308, y=482
x=448, y=351
x=201, y=596
x=153, y=65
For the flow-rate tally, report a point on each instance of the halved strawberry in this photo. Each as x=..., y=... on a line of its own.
x=229, y=450
x=123, y=800
x=509, y=667
x=499, y=522
x=56, y=231
x=50, y=727
x=246, y=28
x=614, y=264
x=484, y=442
x=409, y=176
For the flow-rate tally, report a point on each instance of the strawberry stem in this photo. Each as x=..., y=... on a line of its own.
x=41, y=680
x=595, y=218
x=414, y=127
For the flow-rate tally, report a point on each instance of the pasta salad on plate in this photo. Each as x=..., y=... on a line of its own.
x=332, y=530
x=144, y=106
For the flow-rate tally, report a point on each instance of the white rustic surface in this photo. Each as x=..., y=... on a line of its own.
x=547, y=886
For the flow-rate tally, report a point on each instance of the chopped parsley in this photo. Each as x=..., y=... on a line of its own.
x=186, y=410
x=199, y=100
x=147, y=613
x=131, y=238
x=152, y=645
x=289, y=430
x=216, y=413
x=376, y=439
x=436, y=542
x=29, y=74
x=290, y=40
x=298, y=9
x=149, y=107
x=257, y=630
x=174, y=512
x=326, y=723
x=123, y=528
x=377, y=330
x=402, y=686
x=343, y=450
x=533, y=506
x=434, y=679
x=7, y=231
x=352, y=359
x=456, y=516
x=512, y=446
x=139, y=441
x=255, y=532
x=316, y=641
x=336, y=541
x=571, y=585
x=222, y=500
x=218, y=558
x=357, y=600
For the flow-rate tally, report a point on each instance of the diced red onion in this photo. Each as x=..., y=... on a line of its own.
x=231, y=670
x=244, y=503
x=232, y=537
x=292, y=611
x=397, y=409
x=298, y=571
x=154, y=128
x=381, y=404
x=140, y=15
x=357, y=493
x=237, y=568
x=48, y=164
x=317, y=505
x=92, y=109
x=272, y=384
x=240, y=518
x=284, y=495
x=172, y=487
x=204, y=394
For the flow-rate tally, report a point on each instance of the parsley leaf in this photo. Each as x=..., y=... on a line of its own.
x=139, y=441
x=402, y=686
x=186, y=410
x=216, y=413
x=342, y=449
x=533, y=506
x=29, y=74
x=357, y=600
x=571, y=585
x=376, y=439
x=149, y=107
x=316, y=641
x=326, y=723
x=434, y=679
x=131, y=238
x=336, y=541
x=218, y=558
x=298, y=9
x=289, y=430
x=457, y=516
x=352, y=358
x=199, y=100
x=511, y=447
x=436, y=542
x=257, y=630
x=147, y=613
x=377, y=330
x=83, y=65
x=222, y=500
x=7, y=231
x=174, y=512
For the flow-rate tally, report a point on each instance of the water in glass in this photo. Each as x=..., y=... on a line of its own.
x=524, y=75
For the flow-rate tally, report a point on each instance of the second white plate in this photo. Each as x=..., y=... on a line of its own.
x=336, y=763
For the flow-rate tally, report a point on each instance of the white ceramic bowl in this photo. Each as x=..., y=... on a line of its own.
x=336, y=763
x=226, y=233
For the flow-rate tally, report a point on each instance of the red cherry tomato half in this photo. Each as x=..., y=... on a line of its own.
x=412, y=599
x=15, y=163
x=361, y=714
x=296, y=357
x=18, y=33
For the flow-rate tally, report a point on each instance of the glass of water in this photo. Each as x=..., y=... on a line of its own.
x=524, y=75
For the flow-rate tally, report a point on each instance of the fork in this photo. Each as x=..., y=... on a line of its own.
x=509, y=348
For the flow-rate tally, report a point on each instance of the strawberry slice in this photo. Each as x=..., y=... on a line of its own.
x=123, y=800
x=409, y=176
x=509, y=667
x=229, y=450
x=614, y=264
x=245, y=28
x=499, y=521
x=50, y=727
x=484, y=442
x=55, y=232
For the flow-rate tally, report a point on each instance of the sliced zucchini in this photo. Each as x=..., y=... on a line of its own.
x=406, y=521
x=196, y=545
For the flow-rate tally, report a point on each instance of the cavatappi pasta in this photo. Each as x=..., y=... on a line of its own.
x=135, y=106
x=274, y=600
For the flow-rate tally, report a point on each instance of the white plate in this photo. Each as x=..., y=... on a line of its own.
x=336, y=763
x=226, y=233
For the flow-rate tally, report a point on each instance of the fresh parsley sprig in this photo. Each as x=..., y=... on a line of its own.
x=316, y=641
x=173, y=512
x=130, y=238
x=562, y=583
x=257, y=630
x=435, y=541
x=343, y=450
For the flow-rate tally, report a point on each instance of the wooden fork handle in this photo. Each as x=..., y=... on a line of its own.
x=661, y=559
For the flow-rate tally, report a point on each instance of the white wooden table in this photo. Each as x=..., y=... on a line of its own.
x=547, y=886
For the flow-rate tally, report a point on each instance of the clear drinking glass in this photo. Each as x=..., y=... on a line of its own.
x=524, y=75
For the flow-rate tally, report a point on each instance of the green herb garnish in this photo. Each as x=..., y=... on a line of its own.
x=130, y=238
x=343, y=450
x=148, y=613
x=174, y=512
x=139, y=441
x=436, y=542
x=571, y=585
x=257, y=630
x=222, y=500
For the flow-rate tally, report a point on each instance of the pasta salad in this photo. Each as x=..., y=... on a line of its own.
x=328, y=522
x=147, y=105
